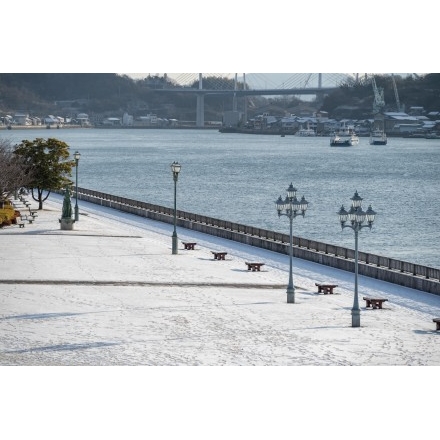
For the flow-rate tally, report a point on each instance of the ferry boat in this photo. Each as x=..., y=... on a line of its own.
x=378, y=137
x=345, y=137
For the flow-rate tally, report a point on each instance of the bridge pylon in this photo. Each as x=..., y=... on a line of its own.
x=200, y=112
x=200, y=117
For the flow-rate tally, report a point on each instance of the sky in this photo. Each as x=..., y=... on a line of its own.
x=172, y=38
x=105, y=311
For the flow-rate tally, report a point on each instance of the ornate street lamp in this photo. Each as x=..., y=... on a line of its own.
x=292, y=207
x=356, y=217
x=175, y=168
x=76, y=156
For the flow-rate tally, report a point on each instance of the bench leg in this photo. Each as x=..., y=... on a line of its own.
x=438, y=326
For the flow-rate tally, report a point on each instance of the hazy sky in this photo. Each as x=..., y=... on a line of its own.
x=336, y=36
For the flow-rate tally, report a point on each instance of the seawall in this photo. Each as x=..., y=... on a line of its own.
x=399, y=272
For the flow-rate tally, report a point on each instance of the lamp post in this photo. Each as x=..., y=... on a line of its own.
x=175, y=168
x=76, y=156
x=292, y=207
x=357, y=217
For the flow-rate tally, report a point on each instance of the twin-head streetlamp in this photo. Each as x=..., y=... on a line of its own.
x=358, y=219
x=292, y=207
x=76, y=156
x=175, y=168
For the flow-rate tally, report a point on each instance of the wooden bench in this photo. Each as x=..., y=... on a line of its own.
x=326, y=288
x=254, y=266
x=219, y=255
x=189, y=246
x=375, y=303
x=437, y=321
x=20, y=225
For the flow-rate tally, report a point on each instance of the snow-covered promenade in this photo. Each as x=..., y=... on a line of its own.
x=111, y=293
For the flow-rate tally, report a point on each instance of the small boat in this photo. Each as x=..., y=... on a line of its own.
x=305, y=131
x=345, y=137
x=378, y=137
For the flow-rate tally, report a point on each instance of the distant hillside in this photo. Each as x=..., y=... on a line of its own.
x=108, y=94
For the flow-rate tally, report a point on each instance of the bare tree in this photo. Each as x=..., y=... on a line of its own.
x=14, y=173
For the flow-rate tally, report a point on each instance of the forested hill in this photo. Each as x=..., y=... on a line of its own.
x=108, y=93
x=91, y=91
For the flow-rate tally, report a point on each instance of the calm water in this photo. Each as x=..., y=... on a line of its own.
x=238, y=177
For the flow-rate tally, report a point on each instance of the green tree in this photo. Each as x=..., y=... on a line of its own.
x=49, y=161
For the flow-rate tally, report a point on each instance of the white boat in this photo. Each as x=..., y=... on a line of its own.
x=378, y=137
x=345, y=137
x=305, y=131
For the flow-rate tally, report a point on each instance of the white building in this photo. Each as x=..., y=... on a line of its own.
x=112, y=121
x=83, y=118
x=127, y=120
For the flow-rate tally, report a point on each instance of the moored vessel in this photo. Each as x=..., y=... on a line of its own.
x=305, y=131
x=345, y=137
x=378, y=137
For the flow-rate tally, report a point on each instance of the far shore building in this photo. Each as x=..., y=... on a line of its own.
x=112, y=122
x=22, y=119
x=127, y=120
x=400, y=123
x=149, y=120
x=83, y=119
x=50, y=120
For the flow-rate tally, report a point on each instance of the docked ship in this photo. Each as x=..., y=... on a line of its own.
x=378, y=137
x=345, y=137
x=305, y=131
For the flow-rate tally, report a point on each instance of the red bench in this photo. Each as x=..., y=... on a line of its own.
x=325, y=288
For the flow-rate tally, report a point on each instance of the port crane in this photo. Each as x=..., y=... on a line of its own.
x=396, y=93
x=379, y=101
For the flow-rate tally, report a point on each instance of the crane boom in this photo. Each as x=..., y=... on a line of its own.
x=396, y=93
x=379, y=101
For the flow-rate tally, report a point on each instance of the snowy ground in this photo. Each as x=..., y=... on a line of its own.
x=110, y=293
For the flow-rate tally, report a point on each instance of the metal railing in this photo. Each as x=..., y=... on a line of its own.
x=324, y=249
